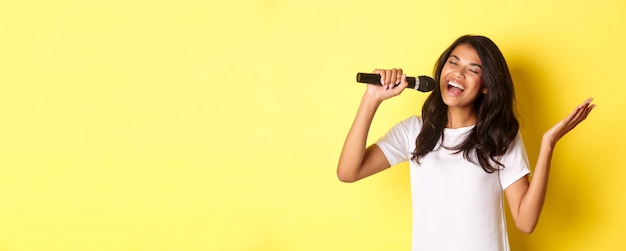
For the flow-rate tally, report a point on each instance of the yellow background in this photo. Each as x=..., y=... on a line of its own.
x=217, y=125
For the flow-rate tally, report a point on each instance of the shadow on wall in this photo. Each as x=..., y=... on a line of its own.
x=566, y=210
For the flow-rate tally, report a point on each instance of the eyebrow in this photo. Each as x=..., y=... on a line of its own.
x=473, y=64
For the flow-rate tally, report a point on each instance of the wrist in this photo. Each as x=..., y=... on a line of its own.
x=548, y=141
x=371, y=100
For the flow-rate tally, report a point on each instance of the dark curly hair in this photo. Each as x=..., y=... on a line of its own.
x=496, y=124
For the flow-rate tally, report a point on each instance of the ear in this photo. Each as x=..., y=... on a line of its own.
x=484, y=90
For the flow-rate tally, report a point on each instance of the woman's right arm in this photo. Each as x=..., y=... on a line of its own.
x=356, y=161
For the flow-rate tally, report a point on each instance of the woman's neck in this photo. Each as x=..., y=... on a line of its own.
x=458, y=118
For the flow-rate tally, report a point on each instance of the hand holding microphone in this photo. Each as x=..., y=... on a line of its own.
x=393, y=76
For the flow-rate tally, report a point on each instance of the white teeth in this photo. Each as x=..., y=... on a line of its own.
x=455, y=85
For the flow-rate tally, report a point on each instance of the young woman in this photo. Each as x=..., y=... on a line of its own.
x=464, y=150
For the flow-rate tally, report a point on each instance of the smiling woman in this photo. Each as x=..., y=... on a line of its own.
x=463, y=151
x=462, y=75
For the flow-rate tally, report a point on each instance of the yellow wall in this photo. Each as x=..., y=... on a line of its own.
x=187, y=125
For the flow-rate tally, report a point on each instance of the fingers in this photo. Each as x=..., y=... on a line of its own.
x=393, y=82
x=390, y=78
x=403, y=82
x=583, y=110
x=579, y=114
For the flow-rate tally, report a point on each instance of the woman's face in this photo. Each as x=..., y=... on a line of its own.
x=461, y=78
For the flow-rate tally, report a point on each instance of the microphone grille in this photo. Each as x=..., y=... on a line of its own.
x=426, y=84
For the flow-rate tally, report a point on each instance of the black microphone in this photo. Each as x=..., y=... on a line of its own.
x=421, y=83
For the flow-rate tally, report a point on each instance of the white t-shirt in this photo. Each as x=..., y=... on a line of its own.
x=456, y=204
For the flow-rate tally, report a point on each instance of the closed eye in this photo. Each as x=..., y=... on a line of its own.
x=453, y=60
x=476, y=68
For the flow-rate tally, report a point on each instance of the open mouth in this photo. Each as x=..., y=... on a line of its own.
x=455, y=88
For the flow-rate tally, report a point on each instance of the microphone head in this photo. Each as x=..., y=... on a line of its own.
x=425, y=84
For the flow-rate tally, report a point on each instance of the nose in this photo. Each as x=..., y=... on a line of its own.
x=458, y=75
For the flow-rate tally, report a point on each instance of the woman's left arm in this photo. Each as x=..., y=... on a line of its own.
x=526, y=197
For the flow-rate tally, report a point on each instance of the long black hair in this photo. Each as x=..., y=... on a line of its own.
x=496, y=124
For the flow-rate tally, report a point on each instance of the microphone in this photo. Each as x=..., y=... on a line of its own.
x=421, y=83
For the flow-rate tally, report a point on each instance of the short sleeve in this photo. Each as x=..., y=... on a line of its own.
x=515, y=163
x=398, y=143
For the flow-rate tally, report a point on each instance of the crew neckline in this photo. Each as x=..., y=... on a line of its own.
x=459, y=130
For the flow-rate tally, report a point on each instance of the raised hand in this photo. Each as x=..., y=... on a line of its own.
x=564, y=126
x=393, y=81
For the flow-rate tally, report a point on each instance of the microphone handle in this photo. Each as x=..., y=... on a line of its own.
x=421, y=83
x=374, y=78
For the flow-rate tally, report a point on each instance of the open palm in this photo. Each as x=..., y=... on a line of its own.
x=568, y=123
